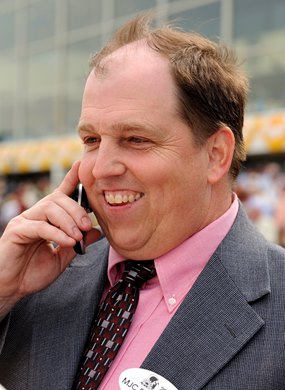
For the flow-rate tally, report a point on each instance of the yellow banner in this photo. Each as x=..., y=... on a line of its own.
x=39, y=155
x=263, y=134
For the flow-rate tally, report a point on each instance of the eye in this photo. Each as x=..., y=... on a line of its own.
x=91, y=140
x=137, y=140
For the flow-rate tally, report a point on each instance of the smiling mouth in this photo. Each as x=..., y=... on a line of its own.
x=115, y=199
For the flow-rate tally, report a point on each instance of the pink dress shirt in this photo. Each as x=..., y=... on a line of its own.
x=160, y=297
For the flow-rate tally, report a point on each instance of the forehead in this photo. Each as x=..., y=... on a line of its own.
x=133, y=70
x=138, y=54
x=136, y=91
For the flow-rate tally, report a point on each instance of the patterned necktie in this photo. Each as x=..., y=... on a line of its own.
x=112, y=323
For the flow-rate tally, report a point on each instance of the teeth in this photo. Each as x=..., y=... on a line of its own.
x=118, y=199
x=131, y=198
x=121, y=199
x=110, y=199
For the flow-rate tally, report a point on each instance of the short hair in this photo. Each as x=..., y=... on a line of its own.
x=211, y=87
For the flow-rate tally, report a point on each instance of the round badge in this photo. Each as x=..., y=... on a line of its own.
x=141, y=379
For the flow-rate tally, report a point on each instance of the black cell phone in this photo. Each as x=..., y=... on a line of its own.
x=79, y=195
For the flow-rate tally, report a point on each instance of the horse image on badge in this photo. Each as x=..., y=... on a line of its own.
x=151, y=382
x=141, y=379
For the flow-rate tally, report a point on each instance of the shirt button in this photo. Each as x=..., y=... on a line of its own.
x=172, y=301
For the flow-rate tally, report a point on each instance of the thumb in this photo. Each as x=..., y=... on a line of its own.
x=70, y=180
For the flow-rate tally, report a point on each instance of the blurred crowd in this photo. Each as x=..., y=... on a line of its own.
x=260, y=188
x=262, y=191
x=17, y=196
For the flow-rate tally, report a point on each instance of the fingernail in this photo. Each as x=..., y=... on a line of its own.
x=86, y=221
x=76, y=231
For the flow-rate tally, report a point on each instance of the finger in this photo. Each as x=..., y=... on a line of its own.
x=26, y=231
x=52, y=214
x=61, y=211
x=78, y=213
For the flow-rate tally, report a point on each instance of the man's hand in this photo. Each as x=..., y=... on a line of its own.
x=37, y=245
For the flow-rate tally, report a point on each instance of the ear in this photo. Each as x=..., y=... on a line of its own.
x=220, y=151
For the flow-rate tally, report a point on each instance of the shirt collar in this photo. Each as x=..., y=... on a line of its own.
x=178, y=269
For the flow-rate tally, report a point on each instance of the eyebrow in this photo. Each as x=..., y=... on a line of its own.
x=120, y=127
x=84, y=127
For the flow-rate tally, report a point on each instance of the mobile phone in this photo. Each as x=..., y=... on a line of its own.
x=79, y=195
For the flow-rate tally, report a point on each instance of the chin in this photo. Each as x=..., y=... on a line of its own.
x=127, y=246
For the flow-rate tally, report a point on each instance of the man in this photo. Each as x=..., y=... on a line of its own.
x=161, y=123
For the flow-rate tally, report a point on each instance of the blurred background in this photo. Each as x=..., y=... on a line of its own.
x=44, y=50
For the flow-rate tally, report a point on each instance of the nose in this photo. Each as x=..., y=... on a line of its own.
x=108, y=161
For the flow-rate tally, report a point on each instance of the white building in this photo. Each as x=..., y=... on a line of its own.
x=44, y=51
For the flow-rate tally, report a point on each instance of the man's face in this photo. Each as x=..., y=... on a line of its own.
x=144, y=177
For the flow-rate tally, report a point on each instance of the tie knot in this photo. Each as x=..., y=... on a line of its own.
x=138, y=272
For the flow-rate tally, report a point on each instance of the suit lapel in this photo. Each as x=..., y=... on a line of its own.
x=215, y=321
x=212, y=325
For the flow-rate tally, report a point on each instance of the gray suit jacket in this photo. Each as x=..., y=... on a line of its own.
x=228, y=333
